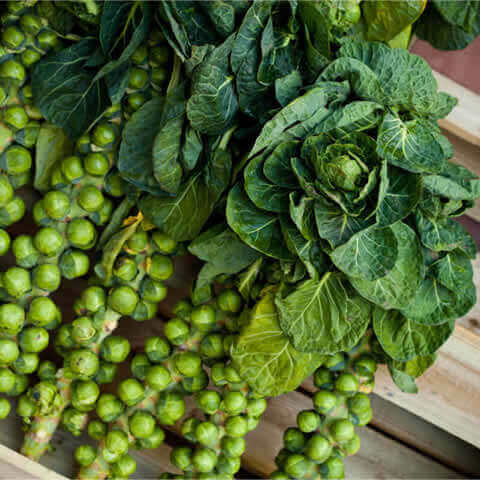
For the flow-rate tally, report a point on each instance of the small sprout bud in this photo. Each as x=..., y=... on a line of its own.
x=48, y=241
x=115, y=349
x=176, y=331
x=81, y=233
x=131, y=391
x=5, y=408
x=203, y=318
x=161, y=267
x=109, y=407
x=230, y=301
x=85, y=455
x=158, y=378
x=123, y=300
x=84, y=395
x=124, y=467
x=47, y=277
x=235, y=403
x=236, y=426
x=308, y=421
x=56, y=204
x=141, y=424
x=170, y=408
x=97, y=429
x=33, y=339
x=318, y=448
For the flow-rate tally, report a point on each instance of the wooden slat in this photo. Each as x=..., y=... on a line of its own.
x=464, y=120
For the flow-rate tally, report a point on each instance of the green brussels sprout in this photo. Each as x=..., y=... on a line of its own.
x=74, y=421
x=347, y=384
x=72, y=169
x=352, y=446
x=97, y=164
x=183, y=309
x=211, y=346
x=152, y=291
x=159, y=76
x=123, y=300
x=336, y=361
x=17, y=160
x=293, y=440
x=141, y=424
x=14, y=70
x=334, y=467
x=16, y=281
x=297, y=466
x=256, y=406
x=85, y=455
x=106, y=373
x=135, y=101
x=47, y=277
x=138, y=78
x=115, y=349
x=154, y=440
x=90, y=198
x=207, y=434
x=181, y=457
x=33, y=339
x=208, y=401
x=236, y=426
x=144, y=311
x=83, y=363
x=39, y=215
x=104, y=135
x=6, y=191
x=318, y=448
x=203, y=318
x=26, y=363
x=232, y=375
x=131, y=391
x=158, y=378
x=161, y=267
x=163, y=242
x=324, y=401
x=97, y=429
x=228, y=465
x=176, y=331
x=342, y=430
x=47, y=39
x=360, y=409
x=29, y=57
x=323, y=379
x=116, y=441
x=197, y=383
x=138, y=242
x=42, y=311
x=218, y=374
x=110, y=457
x=139, y=366
x=125, y=269
x=188, y=429
x=308, y=421
x=170, y=408
x=124, y=467
x=159, y=55
x=56, y=204
x=48, y=241
x=25, y=252
x=12, y=318
x=139, y=56
x=278, y=475
x=93, y=299
x=83, y=330
x=115, y=185
x=109, y=407
x=57, y=180
x=5, y=242
x=81, y=233
x=9, y=352
x=15, y=117
x=188, y=364
x=64, y=337
x=84, y=395
x=12, y=37
x=5, y=408
x=230, y=301
x=13, y=212
x=233, y=447
x=102, y=216
x=26, y=407
x=47, y=371
x=365, y=365
x=7, y=380
x=234, y=403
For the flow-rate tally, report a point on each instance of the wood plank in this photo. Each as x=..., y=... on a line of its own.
x=464, y=120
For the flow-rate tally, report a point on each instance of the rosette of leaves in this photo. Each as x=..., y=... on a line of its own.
x=356, y=171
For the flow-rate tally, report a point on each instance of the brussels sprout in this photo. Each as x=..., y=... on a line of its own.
x=85, y=455
x=93, y=299
x=97, y=164
x=188, y=429
x=228, y=465
x=308, y=421
x=131, y=391
x=204, y=460
x=153, y=291
x=195, y=384
x=83, y=363
x=74, y=421
x=256, y=406
x=13, y=69
x=218, y=374
x=72, y=169
x=56, y=204
x=139, y=366
x=26, y=407
x=64, y=337
x=42, y=311
x=84, y=395
x=170, y=408
x=232, y=375
x=47, y=277
x=161, y=267
x=33, y=339
x=135, y=101
x=236, y=426
x=48, y=241
x=123, y=300
x=342, y=430
x=324, y=401
x=157, y=349
x=17, y=160
x=16, y=281
x=124, y=467
x=6, y=191
x=47, y=370
x=365, y=365
x=154, y=440
x=125, y=269
x=234, y=403
x=4, y=242
x=81, y=233
x=209, y=401
x=7, y=380
x=183, y=309
x=115, y=349
x=207, y=433
x=188, y=364
x=57, y=180
x=323, y=379
x=211, y=347
x=9, y=351
x=13, y=212
x=116, y=441
x=318, y=448
x=233, y=447
x=29, y=57
x=159, y=55
x=141, y=424
x=5, y=408
x=138, y=242
x=181, y=457
x=97, y=429
x=138, y=78
x=12, y=318
x=336, y=361
x=176, y=331
x=352, y=446
x=144, y=311
x=90, y=198
x=159, y=76
x=230, y=301
x=297, y=466
x=104, y=135
x=203, y=318
x=83, y=330
x=293, y=440
x=109, y=407
x=115, y=185
x=347, y=384
x=164, y=243
x=25, y=252
x=26, y=363
x=158, y=378
x=106, y=373
x=334, y=467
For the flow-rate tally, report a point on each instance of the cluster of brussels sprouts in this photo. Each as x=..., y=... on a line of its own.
x=134, y=287
x=171, y=368
x=25, y=38
x=326, y=433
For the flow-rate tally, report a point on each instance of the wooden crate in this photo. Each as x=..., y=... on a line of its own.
x=434, y=434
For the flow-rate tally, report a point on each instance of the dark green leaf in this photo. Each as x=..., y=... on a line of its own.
x=303, y=215
x=402, y=380
x=247, y=279
x=191, y=149
x=287, y=88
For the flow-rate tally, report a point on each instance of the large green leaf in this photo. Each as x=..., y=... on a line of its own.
x=247, y=279
x=259, y=229
x=465, y=14
x=369, y=254
x=213, y=104
x=302, y=214
x=264, y=356
x=397, y=288
x=404, y=339
x=322, y=315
